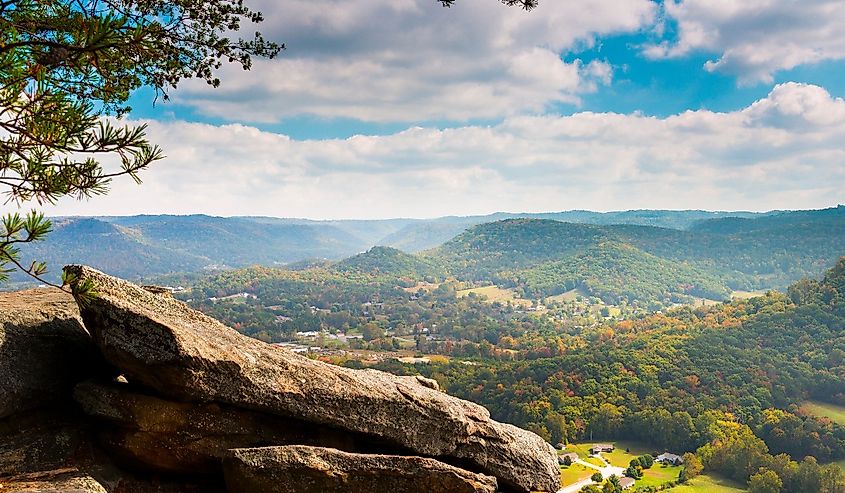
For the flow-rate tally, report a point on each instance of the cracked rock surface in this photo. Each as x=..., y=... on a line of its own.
x=301, y=469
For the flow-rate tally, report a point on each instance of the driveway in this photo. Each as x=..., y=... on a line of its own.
x=605, y=471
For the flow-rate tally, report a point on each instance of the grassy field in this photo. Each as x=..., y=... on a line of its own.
x=744, y=295
x=704, y=302
x=574, y=473
x=570, y=295
x=583, y=451
x=659, y=474
x=824, y=410
x=709, y=484
x=495, y=293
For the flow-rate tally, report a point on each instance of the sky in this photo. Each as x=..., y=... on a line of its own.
x=403, y=108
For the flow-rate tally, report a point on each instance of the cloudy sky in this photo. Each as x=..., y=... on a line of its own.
x=386, y=108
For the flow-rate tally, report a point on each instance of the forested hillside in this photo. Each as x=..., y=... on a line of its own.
x=644, y=263
x=726, y=380
x=617, y=272
x=574, y=331
x=144, y=246
x=198, y=242
x=392, y=262
x=624, y=265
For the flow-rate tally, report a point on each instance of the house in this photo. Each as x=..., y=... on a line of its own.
x=601, y=447
x=561, y=459
x=626, y=483
x=667, y=458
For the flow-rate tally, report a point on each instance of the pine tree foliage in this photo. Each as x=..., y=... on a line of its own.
x=67, y=70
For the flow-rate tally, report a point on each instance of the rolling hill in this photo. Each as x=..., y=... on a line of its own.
x=544, y=257
x=143, y=246
x=381, y=260
x=615, y=271
x=704, y=254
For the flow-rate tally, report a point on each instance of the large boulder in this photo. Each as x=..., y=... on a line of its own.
x=54, y=451
x=61, y=480
x=149, y=433
x=43, y=441
x=44, y=349
x=299, y=469
x=161, y=343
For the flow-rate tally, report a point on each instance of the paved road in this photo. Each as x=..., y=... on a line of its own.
x=605, y=471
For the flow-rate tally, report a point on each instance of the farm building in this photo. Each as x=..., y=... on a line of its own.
x=561, y=459
x=601, y=447
x=626, y=483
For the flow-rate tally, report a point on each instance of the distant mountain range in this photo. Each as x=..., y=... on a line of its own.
x=619, y=262
x=139, y=247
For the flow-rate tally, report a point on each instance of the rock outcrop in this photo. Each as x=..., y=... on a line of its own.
x=184, y=355
x=44, y=349
x=60, y=480
x=34, y=442
x=148, y=432
x=299, y=469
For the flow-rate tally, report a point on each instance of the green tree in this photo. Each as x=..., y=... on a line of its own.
x=808, y=478
x=67, y=70
x=765, y=481
x=612, y=485
x=371, y=332
x=692, y=467
x=597, y=477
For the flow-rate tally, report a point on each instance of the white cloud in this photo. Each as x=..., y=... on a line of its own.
x=413, y=60
x=784, y=151
x=756, y=38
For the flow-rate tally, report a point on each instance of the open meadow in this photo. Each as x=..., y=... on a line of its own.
x=494, y=294
x=707, y=483
x=833, y=412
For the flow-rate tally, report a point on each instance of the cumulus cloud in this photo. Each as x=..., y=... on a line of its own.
x=756, y=38
x=413, y=60
x=783, y=151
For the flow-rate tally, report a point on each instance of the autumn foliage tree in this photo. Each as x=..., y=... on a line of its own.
x=67, y=70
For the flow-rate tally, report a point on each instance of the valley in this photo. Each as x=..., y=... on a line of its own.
x=715, y=340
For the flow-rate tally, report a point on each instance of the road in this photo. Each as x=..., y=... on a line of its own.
x=605, y=471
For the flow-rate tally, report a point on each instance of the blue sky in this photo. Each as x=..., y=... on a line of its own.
x=384, y=108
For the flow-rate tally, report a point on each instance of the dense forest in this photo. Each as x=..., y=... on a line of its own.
x=545, y=257
x=725, y=381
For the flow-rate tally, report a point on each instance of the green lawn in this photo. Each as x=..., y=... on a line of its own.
x=709, y=484
x=574, y=473
x=582, y=449
x=745, y=295
x=495, y=293
x=621, y=458
x=825, y=410
x=570, y=295
x=622, y=455
x=659, y=474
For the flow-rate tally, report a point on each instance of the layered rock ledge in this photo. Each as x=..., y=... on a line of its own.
x=302, y=469
x=44, y=349
x=162, y=344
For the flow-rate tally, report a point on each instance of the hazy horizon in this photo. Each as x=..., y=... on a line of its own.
x=429, y=218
